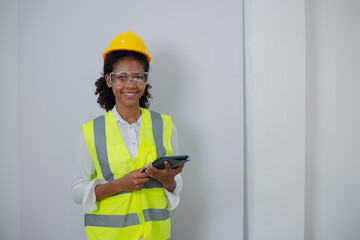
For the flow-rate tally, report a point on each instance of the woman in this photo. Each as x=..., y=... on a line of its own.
x=123, y=195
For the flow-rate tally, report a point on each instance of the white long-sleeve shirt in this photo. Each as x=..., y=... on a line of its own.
x=83, y=188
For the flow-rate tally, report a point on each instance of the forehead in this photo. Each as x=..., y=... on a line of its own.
x=128, y=64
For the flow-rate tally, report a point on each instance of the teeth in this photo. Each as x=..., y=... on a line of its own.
x=129, y=94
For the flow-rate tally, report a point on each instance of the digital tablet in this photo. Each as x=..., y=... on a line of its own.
x=174, y=161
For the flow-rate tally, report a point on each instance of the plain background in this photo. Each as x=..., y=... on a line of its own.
x=196, y=74
x=302, y=118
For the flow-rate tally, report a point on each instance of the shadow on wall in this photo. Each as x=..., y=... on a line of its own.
x=169, y=92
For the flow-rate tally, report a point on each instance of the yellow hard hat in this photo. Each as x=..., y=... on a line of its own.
x=127, y=41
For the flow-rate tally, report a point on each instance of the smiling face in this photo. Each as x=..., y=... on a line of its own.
x=127, y=95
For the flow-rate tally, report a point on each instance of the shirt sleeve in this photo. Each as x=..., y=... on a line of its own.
x=83, y=189
x=173, y=198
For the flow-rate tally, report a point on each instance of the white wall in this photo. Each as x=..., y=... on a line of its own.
x=9, y=163
x=275, y=119
x=196, y=75
x=333, y=120
x=302, y=120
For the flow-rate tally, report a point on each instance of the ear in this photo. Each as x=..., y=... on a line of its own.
x=107, y=78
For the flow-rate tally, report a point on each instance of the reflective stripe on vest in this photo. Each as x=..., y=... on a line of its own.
x=157, y=126
x=100, y=146
x=97, y=220
x=131, y=219
x=156, y=214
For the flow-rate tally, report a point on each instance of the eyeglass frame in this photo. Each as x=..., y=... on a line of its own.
x=135, y=82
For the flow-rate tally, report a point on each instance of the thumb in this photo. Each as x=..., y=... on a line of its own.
x=141, y=169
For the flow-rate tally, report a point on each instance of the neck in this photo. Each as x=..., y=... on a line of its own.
x=129, y=114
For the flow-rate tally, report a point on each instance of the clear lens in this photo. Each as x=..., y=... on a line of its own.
x=123, y=78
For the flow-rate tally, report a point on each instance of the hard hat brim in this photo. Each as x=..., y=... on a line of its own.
x=147, y=54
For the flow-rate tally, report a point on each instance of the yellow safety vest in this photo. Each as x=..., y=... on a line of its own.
x=128, y=215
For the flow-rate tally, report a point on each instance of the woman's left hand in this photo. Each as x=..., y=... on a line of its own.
x=165, y=176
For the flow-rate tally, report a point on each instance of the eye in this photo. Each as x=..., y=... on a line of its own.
x=121, y=77
x=140, y=77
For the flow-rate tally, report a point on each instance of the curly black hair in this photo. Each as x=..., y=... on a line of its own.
x=106, y=98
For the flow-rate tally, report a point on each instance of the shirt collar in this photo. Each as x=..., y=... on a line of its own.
x=118, y=118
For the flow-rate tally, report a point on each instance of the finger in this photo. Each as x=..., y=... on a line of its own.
x=143, y=180
x=150, y=174
x=167, y=165
x=151, y=169
x=140, y=182
x=179, y=169
x=150, y=166
x=142, y=175
x=141, y=169
x=139, y=186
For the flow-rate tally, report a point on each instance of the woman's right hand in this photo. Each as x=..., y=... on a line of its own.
x=133, y=181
